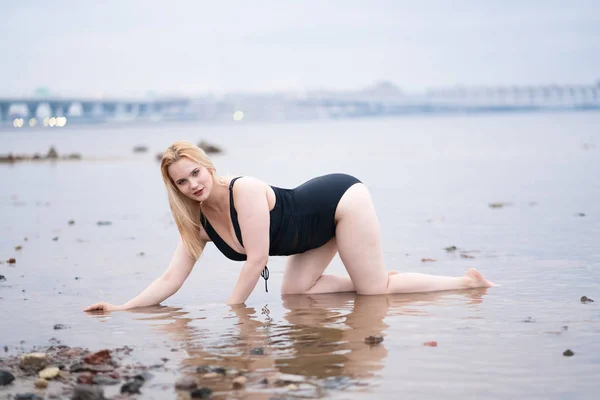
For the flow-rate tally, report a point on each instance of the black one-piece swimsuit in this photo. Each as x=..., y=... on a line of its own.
x=303, y=218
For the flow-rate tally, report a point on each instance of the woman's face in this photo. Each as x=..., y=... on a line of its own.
x=193, y=180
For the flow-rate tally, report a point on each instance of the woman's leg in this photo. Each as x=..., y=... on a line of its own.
x=304, y=273
x=359, y=244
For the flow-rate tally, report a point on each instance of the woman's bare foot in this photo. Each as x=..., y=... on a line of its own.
x=474, y=279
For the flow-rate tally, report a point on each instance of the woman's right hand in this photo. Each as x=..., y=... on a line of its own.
x=103, y=306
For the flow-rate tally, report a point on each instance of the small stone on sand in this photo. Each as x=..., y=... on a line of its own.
x=186, y=383
x=568, y=353
x=430, y=344
x=585, y=299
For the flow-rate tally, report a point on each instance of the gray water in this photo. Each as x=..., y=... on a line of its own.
x=432, y=180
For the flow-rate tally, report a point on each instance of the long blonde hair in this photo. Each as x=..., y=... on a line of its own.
x=186, y=212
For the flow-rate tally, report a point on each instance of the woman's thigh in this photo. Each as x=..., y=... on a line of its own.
x=303, y=270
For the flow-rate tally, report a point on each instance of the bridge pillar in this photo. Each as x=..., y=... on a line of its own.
x=4, y=107
x=143, y=109
x=32, y=109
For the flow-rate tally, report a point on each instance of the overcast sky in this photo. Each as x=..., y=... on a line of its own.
x=130, y=47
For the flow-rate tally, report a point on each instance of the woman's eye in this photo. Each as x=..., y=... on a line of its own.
x=195, y=172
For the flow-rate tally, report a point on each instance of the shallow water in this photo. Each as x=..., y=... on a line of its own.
x=432, y=180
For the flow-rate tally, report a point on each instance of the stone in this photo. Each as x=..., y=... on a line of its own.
x=52, y=153
x=202, y=393
x=71, y=222
x=132, y=387
x=373, y=339
x=210, y=375
x=33, y=362
x=60, y=326
x=104, y=223
x=428, y=260
x=49, y=373
x=27, y=396
x=41, y=383
x=6, y=378
x=99, y=357
x=450, y=249
x=140, y=149
x=585, y=299
x=430, y=344
x=568, y=353
x=105, y=380
x=239, y=382
x=289, y=378
x=17, y=248
x=87, y=392
x=11, y=260
x=186, y=383
x=86, y=378
x=259, y=351
x=2, y=278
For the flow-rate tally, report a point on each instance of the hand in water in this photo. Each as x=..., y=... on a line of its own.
x=103, y=306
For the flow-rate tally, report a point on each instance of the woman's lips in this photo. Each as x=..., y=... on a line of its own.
x=198, y=192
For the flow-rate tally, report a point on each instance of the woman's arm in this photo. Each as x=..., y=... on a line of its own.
x=162, y=288
x=253, y=215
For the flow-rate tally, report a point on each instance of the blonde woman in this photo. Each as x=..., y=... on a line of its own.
x=249, y=220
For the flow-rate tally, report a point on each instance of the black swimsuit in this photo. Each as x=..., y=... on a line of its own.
x=302, y=219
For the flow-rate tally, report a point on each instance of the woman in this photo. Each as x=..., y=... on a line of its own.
x=249, y=220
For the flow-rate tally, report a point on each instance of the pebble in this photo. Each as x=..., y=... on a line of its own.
x=239, y=382
x=104, y=380
x=33, y=361
x=6, y=378
x=87, y=392
x=18, y=248
x=210, y=375
x=99, y=357
x=41, y=383
x=289, y=378
x=27, y=396
x=11, y=260
x=132, y=387
x=86, y=378
x=202, y=393
x=2, y=278
x=585, y=299
x=60, y=326
x=186, y=383
x=373, y=339
x=49, y=373
x=259, y=351
x=428, y=260
x=430, y=344
x=568, y=353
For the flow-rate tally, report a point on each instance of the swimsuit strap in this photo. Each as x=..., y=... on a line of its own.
x=238, y=231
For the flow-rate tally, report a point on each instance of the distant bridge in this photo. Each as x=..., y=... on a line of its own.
x=89, y=107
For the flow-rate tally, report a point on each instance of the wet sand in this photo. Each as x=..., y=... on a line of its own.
x=517, y=196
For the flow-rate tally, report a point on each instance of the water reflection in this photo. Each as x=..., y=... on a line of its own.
x=318, y=336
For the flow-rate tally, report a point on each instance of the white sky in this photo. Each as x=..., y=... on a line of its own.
x=130, y=47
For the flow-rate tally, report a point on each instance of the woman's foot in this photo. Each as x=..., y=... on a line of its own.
x=474, y=279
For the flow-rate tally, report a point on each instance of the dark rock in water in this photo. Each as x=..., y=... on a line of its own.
x=105, y=380
x=132, y=387
x=2, y=278
x=99, y=357
x=565, y=328
x=6, y=349
x=209, y=148
x=186, y=383
x=60, y=326
x=258, y=351
x=568, y=353
x=27, y=396
x=87, y=392
x=206, y=369
x=159, y=157
x=585, y=299
x=104, y=223
x=373, y=339
x=74, y=156
x=337, y=382
x=17, y=248
x=140, y=149
x=71, y=222
x=77, y=367
x=55, y=238
x=581, y=215
x=86, y=378
x=52, y=153
x=6, y=378
x=11, y=261
x=144, y=376
x=202, y=393
x=528, y=320
x=450, y=249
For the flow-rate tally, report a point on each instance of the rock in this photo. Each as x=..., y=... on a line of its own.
x=373, y=339
x=105, y=380
x=55, y=238
x=209, y=148
x=144, y=376
x=140, y=149
x=463, y=255
x=289, y=378
x=11, y=261
x=41, y=383
x=239, y=382
x=99, y=357
x=104, y=223
x=6, y=378
x=132, y=387
x=17, y=248
x=54, y=394
x=428, y=260
x=2, y=278
x=186, y=383
x=259, y=351
x=529, y=320
x=585, y=299
x=52, y=153
x=49, y=373
x=581, y=214
x=292, y=386
x=203, y=369
x=71, y=222
x=450, y=249
x=77, y=367
x=430, y=344
x=159, y=157
x=87, y=392
x=86, y=378
x=568, y=353
x=496, y=205
x=210, y=375
x=74, y=156
x=33, y=362
x=27, y=396
x=60, y=326
x=202, y=393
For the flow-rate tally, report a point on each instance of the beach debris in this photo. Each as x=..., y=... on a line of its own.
x=40, y=383
x=6, y=378
x=141, y=254
x=258, y=351
x=88, y=392
x=568, y=353
x=239, y=382
x=97, y=358
x=209, y=148
x=71, y=222
x=186, y=383
x=585, y=299
x=201, y=393
x=59, y=326
x=581, y=214
x=17, y=248
x=2, y=278
x=372, y=340
x=33, y=362
x=498, y=205
x=428, y=260
x=49, y=373
x=463, y=255
x=528, y=320
x=55, y=238
x=450, y=249
x=103, y=223
x=430, y=344
x=140, y=149
x=132, y=387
